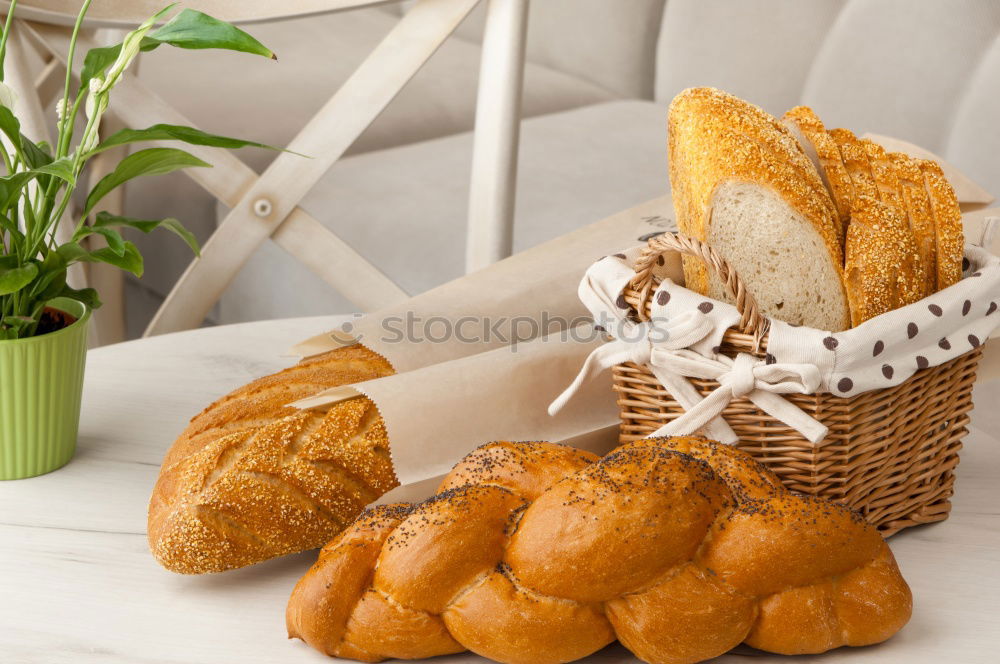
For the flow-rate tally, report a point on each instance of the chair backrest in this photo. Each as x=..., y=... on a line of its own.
x=922, y=70
x=127, y=13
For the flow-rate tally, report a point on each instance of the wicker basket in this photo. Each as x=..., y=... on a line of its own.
x=890, y=453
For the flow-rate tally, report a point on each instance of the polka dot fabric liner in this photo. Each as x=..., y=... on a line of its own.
x=881, y=352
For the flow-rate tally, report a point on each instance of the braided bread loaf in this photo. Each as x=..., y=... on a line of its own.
x=681, y=548
x=252, y=478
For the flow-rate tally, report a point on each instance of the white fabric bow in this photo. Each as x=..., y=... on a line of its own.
x=672, y=362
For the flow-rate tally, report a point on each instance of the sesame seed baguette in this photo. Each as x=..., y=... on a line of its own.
x=251, y=478
x=265, y=399
x=831, y=165
x=742, y=184
x=948, y=232
x=918, y=209
x=883, y=270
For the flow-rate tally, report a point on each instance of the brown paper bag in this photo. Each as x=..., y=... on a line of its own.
x=523, y=297
x=435, y=414
x=452, y=394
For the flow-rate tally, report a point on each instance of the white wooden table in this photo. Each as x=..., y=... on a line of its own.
x=77, y=583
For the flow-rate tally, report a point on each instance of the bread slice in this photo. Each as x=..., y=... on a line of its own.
x=883, y=270
x=251, y=478
x=828, y=161
x=884, y=172
x=948, y=232
x=743, y=184
x=857, y=164
x=918, y=209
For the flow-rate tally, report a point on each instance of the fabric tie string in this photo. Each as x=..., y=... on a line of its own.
x=672, y=362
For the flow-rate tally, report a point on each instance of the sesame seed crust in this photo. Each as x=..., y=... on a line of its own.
x=837, y=179
x=949, y=234
x=921, y=216
x=714, y=137
x=883, y=270
x=251, y=478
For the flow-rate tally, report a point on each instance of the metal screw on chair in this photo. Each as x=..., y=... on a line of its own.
x=262, y=207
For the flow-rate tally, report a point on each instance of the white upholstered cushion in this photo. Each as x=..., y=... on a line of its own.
x=902, y=67
x=760, y=50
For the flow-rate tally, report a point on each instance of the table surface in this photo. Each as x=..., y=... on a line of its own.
x=77, y=582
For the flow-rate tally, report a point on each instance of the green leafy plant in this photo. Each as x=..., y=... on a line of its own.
x=38, y=186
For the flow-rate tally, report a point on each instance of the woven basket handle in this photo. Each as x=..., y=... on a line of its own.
x=751, y=320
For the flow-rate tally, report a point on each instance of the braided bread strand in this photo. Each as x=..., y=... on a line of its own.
x=681, y=548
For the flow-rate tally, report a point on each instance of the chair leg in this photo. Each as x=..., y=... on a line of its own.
x=495, y=143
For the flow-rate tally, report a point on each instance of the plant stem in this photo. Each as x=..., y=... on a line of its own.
x=6, y=159
x=63, y=146
x=6, y=33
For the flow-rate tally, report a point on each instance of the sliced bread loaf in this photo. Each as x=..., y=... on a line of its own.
x=809, y=130
x=883, y=269
x=742, y=183
x=886, y=177
x=856, y=161
x=918, y=209
x=948, y=233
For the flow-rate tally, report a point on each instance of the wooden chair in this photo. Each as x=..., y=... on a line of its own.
x=266, y=206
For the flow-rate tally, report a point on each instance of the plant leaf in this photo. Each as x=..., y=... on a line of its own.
x=60, y=168
x=13, y=326
x=97, y=60
x=11, y=186
x=36, y=155
x=151, y=161
x=52, y=277
x=190, y=29
x=10, y=125
x=14, y=279
x=72, y=252
x=130, y=260
x=166, y=132
x=88, y=296
x=7, y=224
x=113, y=237
x=193, y=29
x=108, y=220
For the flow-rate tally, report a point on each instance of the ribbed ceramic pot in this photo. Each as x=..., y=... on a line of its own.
x=41, y=383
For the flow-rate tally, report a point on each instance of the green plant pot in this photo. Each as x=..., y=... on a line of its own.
x=41, y=382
